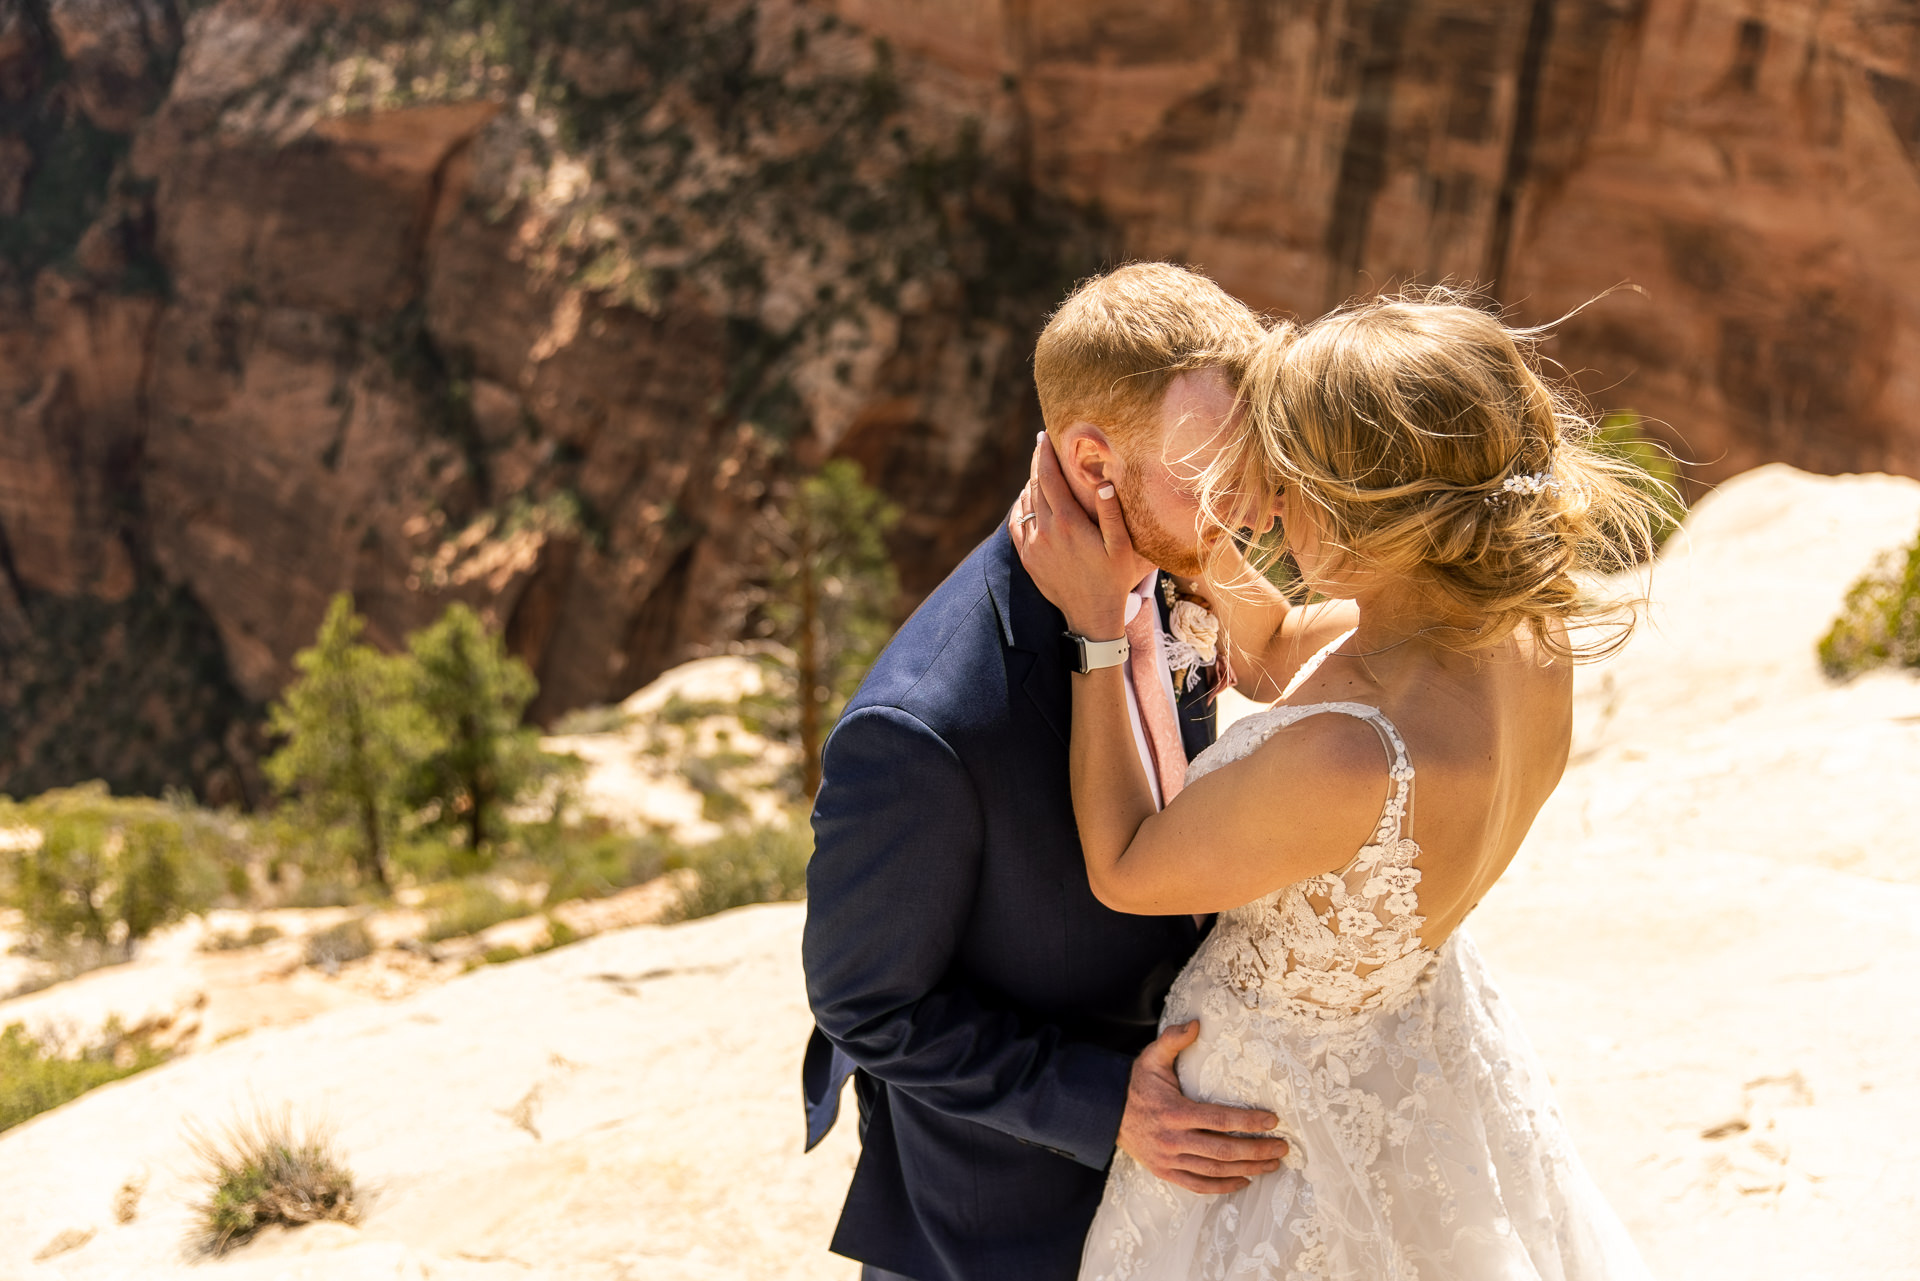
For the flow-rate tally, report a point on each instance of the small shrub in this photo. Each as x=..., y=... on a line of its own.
x=36, y=1077
x=708, y=774
x=317, y=892
x=427, y=856
x=460, y=908
x=103, y=872
x=308, y=866
x=559, y=934
x=265, y=1172
x=261, y=933
x=332, y=948
x=594, y=860
x=62, y=961
x=681, y=711
x=1879, y=622
x=765, y=864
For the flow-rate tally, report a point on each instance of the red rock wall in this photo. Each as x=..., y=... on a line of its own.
x=1753, y=170
x=298, y=298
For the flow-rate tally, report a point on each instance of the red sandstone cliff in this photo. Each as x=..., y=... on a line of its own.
x=1754, y=168
x=530, y=304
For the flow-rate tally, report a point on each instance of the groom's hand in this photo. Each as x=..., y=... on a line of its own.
x=1187, y=1143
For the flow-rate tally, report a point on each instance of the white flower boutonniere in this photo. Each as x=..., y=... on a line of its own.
x=1194, y=644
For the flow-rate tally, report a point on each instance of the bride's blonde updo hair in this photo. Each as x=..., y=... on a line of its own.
x=1432, y=449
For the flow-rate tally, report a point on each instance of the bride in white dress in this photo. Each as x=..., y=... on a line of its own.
x=1441, y=500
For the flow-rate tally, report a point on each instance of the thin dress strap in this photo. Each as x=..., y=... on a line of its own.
x=1398, y=810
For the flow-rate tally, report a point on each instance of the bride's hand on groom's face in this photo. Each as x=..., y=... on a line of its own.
x=1084, y=566
x=1198, y=1146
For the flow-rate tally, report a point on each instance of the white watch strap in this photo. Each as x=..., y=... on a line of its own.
x=1095, y=654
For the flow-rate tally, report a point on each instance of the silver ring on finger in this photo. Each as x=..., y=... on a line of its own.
x=1029, y=516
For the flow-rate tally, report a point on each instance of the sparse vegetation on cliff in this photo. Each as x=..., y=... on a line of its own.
x=755, y=181
x=93, y=874
x=1879, y=622
x=37, y=1076
x=762, y=157
x=761, y=864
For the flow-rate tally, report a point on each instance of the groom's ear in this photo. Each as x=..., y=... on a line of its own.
x=1086, y=455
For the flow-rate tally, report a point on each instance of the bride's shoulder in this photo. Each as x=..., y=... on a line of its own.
x=1308, y=745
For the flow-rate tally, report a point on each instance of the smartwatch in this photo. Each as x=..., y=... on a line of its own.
x=1085, y=655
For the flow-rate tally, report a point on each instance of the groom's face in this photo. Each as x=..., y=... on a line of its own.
x=1159, y=474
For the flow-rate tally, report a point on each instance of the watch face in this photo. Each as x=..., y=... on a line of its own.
x=1074, y=650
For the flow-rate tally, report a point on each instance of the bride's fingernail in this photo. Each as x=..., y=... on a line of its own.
x=1106, y=491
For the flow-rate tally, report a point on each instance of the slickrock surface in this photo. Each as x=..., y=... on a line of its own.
x=1711, y=937
x=624, y=1108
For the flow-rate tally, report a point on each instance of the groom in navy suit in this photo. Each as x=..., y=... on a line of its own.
x=997, y=1020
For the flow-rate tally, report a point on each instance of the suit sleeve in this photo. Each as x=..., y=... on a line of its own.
x=898, y=837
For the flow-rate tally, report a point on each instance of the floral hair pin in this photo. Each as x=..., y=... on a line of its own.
x=1539, y=482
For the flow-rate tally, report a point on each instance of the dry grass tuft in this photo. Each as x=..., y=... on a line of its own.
x=267, y=1171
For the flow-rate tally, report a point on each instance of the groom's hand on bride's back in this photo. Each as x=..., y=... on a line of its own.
x=1193, y=1145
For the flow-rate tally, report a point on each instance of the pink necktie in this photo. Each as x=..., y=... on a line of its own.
x=1156, y=709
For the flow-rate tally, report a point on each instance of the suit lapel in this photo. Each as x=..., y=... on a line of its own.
x=1032, y=628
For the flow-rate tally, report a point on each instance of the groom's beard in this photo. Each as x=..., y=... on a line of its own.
x=1152, y=539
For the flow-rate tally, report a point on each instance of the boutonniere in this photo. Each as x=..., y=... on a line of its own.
x=1196, y=652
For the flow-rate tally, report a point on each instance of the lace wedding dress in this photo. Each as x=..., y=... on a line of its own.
x=1425, y=1141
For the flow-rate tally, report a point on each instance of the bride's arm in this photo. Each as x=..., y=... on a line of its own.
x=1240, y=832
x=1233, y=835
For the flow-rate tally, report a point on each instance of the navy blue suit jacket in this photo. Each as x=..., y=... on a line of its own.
x=956, y=960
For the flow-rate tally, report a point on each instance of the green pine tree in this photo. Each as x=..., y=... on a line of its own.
x=475, y=695
x=354, y=736
x=831, y=597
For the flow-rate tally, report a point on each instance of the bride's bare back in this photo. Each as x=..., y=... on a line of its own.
x=1489, y=734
